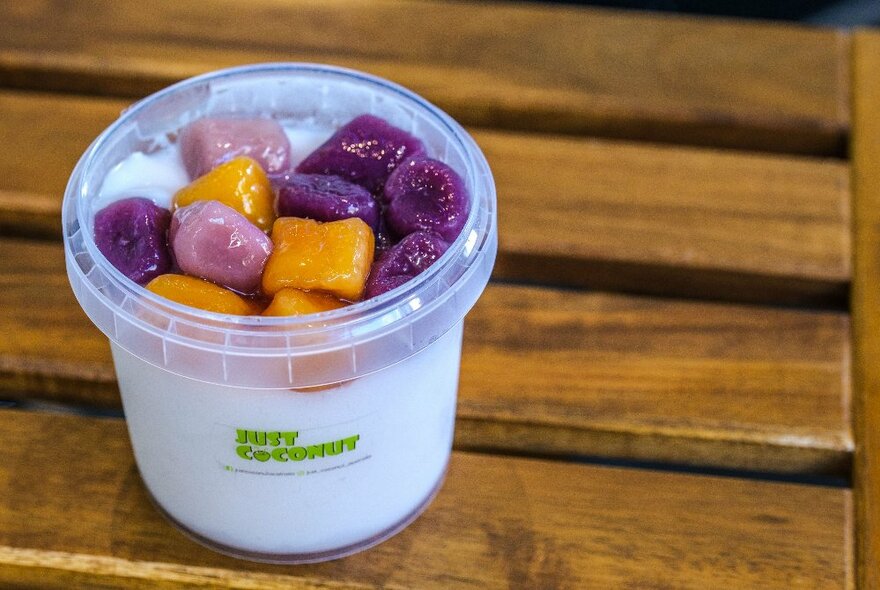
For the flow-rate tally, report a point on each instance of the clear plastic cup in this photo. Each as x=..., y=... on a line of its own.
x=298, y=439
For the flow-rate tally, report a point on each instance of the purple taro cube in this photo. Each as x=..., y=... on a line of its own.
x=217, y=243
x=133, y=235
x=213, y=140
x=364, y=151
x=426, y=194
x=325, y=198
x=403, y=261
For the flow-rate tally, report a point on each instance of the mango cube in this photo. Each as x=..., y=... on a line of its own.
x=202, y=294
x=291, y=301
x=333, y=257
x=240, y=184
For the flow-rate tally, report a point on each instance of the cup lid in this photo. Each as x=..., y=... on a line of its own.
x=281, y=352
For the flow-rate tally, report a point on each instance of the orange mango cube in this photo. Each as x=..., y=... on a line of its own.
x=333, y=257
x=202, y=294
x=291, y=301
x=240, y=184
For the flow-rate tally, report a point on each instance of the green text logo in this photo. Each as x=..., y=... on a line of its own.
x=258, y=445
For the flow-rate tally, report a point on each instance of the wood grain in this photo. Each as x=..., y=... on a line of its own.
x=30, y=215
x=866, y=303
x=544, y=371
x=599, y=214
x=43, y=137
x=650, y=379
x=497, y=523
x=542, y=68
x=670, y=221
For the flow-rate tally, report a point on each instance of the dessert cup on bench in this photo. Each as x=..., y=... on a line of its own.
x=287, y=439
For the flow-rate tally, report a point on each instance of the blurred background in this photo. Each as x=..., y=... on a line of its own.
x=836, y=13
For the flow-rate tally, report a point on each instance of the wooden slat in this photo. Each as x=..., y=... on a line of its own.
x=29, y=214
x=866, y=303
x=549, y=68
x=86, y=520
x=544, y=371
x=44, y=135
x=670, y=221
x=635, y=378
x=599, y=214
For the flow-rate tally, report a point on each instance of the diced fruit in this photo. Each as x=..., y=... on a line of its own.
x=364, y=151
x=217, y=243
x=403, y=261
x=325, y=198
x=239, y=183
x=426, y=194
x=202, y=294
x=298, y=302
x=211, y=141
x=133, y=235
x=334, y=257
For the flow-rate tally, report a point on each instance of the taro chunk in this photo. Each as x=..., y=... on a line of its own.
x=209, y=142
x=217, y=243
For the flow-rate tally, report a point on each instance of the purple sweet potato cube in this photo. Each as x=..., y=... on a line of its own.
x=133, y=235
x=363, y=151
x=426, y=194
x=325, y=198
x=403, y=261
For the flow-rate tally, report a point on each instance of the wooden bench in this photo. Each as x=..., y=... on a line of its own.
x=665, y=385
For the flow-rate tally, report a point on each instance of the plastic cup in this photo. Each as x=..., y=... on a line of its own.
x=287, y=440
